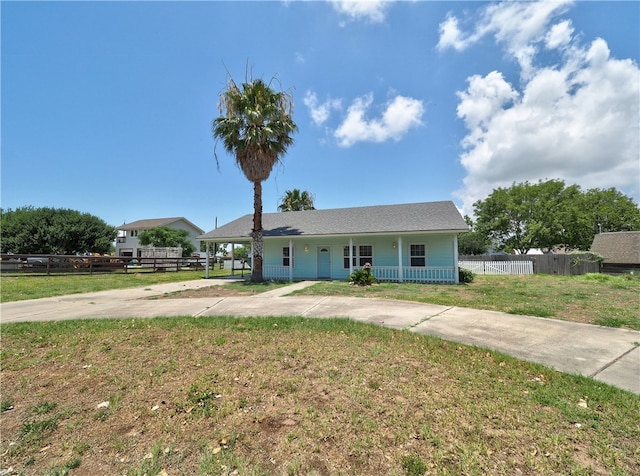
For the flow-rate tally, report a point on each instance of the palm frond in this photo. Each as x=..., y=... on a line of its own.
x=255, y=125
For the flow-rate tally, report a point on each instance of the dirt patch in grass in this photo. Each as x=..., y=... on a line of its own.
x=239, y=288
x=211, y=291
x=294, y=396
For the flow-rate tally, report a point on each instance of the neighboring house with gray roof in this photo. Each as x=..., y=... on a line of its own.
x=411, y=242
x=127, y=243
x=621, y=251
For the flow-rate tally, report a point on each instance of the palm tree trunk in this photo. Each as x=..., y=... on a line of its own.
x=256, y=262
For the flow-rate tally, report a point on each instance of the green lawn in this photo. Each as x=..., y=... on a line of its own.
x=18, y=287
x=295, y=396
x=309, y=396
x=600, y=299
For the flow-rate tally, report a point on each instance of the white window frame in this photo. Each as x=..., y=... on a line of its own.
x=285, y=256
x=412, y=256
x=357, y=257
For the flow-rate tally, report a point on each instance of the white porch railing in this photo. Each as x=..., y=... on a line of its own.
x=275, y=272
x=429, y=274
x=498, y=267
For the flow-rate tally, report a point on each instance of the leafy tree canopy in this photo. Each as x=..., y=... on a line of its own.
x=547, y=214
x=29, y=230
x=165, y=237
x=295, y=201
x=472, y=242
x=241, y=252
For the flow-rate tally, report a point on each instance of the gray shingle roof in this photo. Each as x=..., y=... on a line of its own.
x=407, y=218
x=621, y=247
x=155, y=222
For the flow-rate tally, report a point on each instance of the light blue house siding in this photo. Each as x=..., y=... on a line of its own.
x=393, y=258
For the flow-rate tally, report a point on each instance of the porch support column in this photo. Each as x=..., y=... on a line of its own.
x=350, y=256
x=400, y=276
x=206, y=260
x=233, y=259
x=456, y=273
x=291, y=260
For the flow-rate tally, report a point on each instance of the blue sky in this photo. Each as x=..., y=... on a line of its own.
x=107, y=106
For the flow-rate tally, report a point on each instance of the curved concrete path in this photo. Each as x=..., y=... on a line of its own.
x=606, y=354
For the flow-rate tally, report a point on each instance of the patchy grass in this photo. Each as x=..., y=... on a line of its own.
x=19, y=287
x=592, y=298
x=237, y=288
x=295, y=396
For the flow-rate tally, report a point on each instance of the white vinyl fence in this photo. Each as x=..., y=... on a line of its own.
x=165, y=258
x=498, y=267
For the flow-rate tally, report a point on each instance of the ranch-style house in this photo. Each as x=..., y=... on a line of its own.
x=415, y=242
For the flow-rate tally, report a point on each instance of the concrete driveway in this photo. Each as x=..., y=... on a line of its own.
x=606, y=354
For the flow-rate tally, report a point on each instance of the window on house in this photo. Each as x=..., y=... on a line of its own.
x=418, y=255
x=362, y=254
x=365, y=254
x=345, y=259
x=286, y=259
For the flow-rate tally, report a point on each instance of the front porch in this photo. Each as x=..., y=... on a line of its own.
x=397, y=274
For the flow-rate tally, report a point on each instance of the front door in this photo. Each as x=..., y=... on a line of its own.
x=324, y=262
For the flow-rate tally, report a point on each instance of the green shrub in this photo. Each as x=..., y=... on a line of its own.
x=202, y=400
x=414, y=465
x=363, y=277
x=465, y=275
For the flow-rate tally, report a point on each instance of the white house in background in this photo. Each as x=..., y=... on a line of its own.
x=127, y=243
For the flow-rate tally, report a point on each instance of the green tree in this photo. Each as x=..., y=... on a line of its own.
x=548, y=214
x=611, y=210
x=241, y=252
x=255, y=126
x=520, y=217
x=165, y=237
x=295, y=201
x=27, y=230
x=472, y=242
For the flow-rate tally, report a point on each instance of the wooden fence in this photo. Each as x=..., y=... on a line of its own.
x=560, y=264
x=61, y=263
x=50, y=264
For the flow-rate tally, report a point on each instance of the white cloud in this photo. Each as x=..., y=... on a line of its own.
x=483, y=98
x=519, y=26
x=320, y=112
x=577, y=119
x=371, y=10
x=559, y=35
x=451, y=36
x=519, y=23
x=578, y=122
x=399, y=116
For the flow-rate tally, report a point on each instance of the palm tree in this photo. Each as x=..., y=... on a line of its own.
x=295, y=201
x=256, y=127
